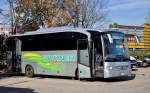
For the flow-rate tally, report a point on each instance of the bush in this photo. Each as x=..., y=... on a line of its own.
x=140, y=54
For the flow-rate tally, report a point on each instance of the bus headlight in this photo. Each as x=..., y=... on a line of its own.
x=110, y=68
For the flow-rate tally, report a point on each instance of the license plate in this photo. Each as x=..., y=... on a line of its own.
x=122, y=74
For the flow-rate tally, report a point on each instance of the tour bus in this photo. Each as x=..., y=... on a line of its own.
x=72, y=52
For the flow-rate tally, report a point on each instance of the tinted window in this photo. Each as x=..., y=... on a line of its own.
x=49, y=44
x=82, y=44
x=61, y=41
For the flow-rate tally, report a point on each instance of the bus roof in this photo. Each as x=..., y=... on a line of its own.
x=56, y=30
x=59, y=30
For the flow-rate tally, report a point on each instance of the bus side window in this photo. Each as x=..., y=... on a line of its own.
x=62, y=44
x=83, y=52
x=82, y=45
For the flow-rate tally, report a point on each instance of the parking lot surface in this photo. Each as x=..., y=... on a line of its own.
x=138, y=83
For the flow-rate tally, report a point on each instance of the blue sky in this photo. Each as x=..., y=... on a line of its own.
x=3, y=4
x=125, y=12
x=129, y=12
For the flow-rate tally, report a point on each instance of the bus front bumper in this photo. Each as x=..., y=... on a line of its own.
x=116, y=73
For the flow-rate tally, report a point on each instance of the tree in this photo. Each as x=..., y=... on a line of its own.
x=92, y=12
x=30, y=14
x=58, y=14
x=85, y=13
x=4, y=16
x=113, y=25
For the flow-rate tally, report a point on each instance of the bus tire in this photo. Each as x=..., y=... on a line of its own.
x=77, y=74
x=29, y=71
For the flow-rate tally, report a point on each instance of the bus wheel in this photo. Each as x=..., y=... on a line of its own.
x=29, y=71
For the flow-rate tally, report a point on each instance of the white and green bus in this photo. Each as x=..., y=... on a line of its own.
x=72, y=52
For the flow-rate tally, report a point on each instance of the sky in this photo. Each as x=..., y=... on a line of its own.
x=124, y=12
x=129, y=12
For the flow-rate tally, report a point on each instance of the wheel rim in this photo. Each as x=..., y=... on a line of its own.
x=29, y=71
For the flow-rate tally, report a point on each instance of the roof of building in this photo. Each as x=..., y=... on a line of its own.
x=131, y=27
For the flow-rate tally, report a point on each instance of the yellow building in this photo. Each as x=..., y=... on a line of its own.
x=147, y=36
x=134, y=35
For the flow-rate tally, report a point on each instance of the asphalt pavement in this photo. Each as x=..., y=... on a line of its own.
x=138, y=83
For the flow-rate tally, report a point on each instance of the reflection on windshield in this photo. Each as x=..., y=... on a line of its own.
x=116, y=49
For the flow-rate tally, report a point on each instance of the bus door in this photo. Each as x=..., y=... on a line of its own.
x=98, y=69
x=16, y=61
x=84, y=70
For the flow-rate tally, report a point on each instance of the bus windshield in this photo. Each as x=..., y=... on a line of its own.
x=115, y=47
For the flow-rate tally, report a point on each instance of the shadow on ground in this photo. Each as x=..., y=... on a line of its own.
x=15, y=90
x=134, y=69
x=3, y=76
x=7, y=75
x=119, y=79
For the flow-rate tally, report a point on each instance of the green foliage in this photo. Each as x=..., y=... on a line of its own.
x=140, y=54
x=113, y=25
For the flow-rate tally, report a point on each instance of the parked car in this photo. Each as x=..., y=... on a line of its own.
x=146, y=61
x=133, y=62
x=139, y=62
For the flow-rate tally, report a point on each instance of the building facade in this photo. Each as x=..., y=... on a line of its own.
x=147, y=36
x=134, y=35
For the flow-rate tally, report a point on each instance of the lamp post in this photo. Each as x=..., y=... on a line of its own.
x=13, y=64
x=12, y=16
